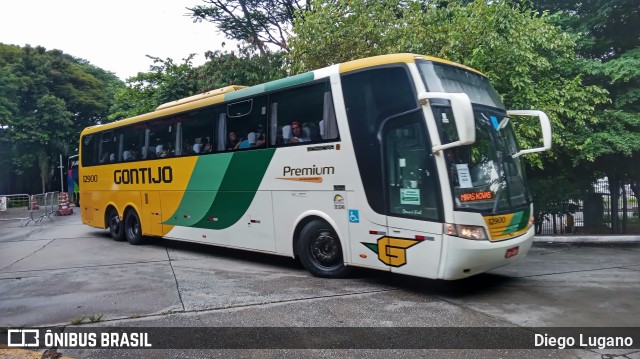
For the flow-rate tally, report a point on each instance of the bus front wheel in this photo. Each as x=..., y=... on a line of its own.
x=320, y=250
x=116, y=227
x=132, y=228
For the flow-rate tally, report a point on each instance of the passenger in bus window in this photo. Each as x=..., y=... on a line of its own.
x=105, y=158
x=130, y=155
x=249, y=141
x=207, y=148
x=297, y=135
x=260, y=138
x=187, y=148
x=199, y=147
x=165, y=153
x=194, y=147
x=233, y=142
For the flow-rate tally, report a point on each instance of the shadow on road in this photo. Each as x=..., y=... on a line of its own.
x=475, y=285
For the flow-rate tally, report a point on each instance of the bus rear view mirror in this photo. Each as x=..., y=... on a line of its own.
x=463, y=117
x=545, y=124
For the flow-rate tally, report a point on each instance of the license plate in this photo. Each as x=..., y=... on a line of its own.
x=512, y=252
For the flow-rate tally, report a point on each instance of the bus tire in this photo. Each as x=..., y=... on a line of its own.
x=133, y=228
x=320, y=250
x=116, y=227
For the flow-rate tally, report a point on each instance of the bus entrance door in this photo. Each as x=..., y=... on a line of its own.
x=412, y=198
x=151, y=214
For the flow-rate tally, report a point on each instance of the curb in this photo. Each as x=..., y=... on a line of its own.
x=587, y=239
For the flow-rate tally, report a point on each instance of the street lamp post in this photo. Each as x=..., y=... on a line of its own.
x=61, y=176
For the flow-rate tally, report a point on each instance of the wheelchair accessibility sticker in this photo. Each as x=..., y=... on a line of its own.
x=354, y=216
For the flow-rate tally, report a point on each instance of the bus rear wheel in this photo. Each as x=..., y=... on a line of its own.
x=116, y=227
x=320, y=250
x=132, y=228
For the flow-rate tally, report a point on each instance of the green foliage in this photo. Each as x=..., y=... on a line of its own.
x=609, y=47
x=165, y=82
x=243, y=67
x=95, y=318
x=557, y=186
x=345, y=30
x=606, y=28
x=77, y=321
x=168, y=81
x=46, y=99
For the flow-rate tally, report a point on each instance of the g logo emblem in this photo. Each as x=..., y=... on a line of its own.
x=392, y=251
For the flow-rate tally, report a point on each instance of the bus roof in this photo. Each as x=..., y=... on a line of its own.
x=232, y=92
x=395, y=58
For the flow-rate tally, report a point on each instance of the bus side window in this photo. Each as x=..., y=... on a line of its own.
x=89, y=151
x=130, y=141
x=197, y=131
x=246, y=123
x=302, y=115
x=162, y=138
x=108, y=147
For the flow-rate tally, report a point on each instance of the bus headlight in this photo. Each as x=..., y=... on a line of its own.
x=465, y=231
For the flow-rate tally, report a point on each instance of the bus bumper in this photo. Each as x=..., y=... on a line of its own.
x=464, y=258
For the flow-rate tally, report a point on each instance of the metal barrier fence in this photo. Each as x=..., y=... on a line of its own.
x=27, y=209
x=594, y=214
x=14, y=207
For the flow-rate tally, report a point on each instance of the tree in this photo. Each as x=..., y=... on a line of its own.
x=165, y=82
x=242, y=67
x=46, y=99
x=260, y=23
x=168, y=81
x=607, y=28
x=609, y=50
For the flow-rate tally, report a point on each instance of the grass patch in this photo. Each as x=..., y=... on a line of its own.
x=95, y=318
x=78, y=321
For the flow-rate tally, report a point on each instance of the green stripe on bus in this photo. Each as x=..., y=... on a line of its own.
x=270, y=86
x=201, y=191
x=237, y=190
x=249, y=91
x=518, y=222
x=289, y=81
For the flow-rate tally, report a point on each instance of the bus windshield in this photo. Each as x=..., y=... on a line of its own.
x=484, y=176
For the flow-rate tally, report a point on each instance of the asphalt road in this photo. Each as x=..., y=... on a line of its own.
x=62, y=273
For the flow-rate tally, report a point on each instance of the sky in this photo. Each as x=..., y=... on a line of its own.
x=114, y=35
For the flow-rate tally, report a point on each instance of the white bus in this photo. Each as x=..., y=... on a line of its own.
x=402, y=163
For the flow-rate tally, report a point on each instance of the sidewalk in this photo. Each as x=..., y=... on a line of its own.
x=603, y=238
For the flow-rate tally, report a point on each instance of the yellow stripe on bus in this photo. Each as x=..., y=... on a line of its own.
x=397, y=58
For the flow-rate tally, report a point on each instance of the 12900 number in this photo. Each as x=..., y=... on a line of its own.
x=90, y=178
